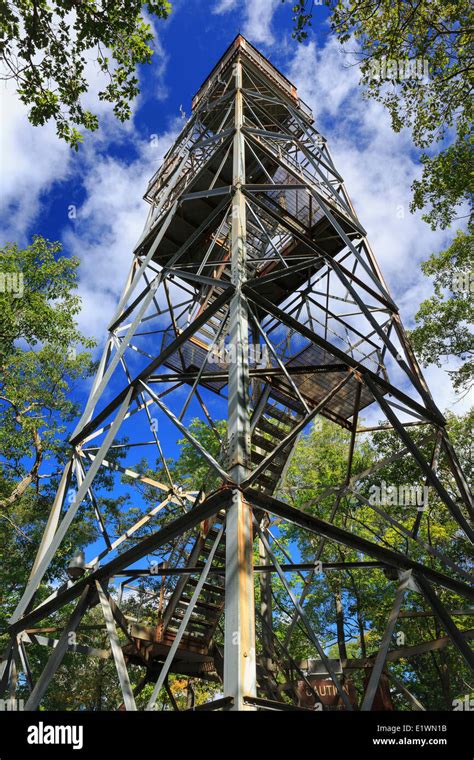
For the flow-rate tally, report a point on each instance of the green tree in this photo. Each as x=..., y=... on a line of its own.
x=42, y=357
x=438, y=108
x=40, y=360
x=349, y=610
x=443, y=321
x=46, y=48
x=191, y=470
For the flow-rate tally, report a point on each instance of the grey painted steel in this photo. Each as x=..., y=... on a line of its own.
x=295, y=432
x=25, y=665
x=238, y=247
x=445, y=619
x=415, y=703
x=340, y=535
x=184, y=430
x=127, y=693
x=53, y=519
x=240, y=677
x=409, y=534
x=180, y=525
x=424, y=466
x=335, y=507
x=47, y=641
x=385, y=643
x=5, y=666
x=49, y=553
x=144, y=374
x=108, y=371
x=286, y=319
x=58, y=653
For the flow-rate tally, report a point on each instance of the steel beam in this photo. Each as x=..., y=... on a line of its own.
x=197, y=236
x=205, y=315
x=49, y=553
x=59, y=651
x=182, y=628
x=418, y=456
x=117, y=653
x=385, y=643
x=311, y=635
x=240, y=674
x=54, y=515
x=211, y=506
x=445, y=618
x=341, y=536
x=289, y=321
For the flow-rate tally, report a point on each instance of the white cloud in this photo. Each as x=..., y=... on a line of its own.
x=225, y=5
x=108, y=225
x=257, y=17
x=108, y=222
x=32, y=160
x=258, y=20
x=377, y=164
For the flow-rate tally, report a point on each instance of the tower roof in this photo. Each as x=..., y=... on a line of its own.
x=241, y=46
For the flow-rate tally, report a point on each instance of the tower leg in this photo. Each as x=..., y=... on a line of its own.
x=239, y=646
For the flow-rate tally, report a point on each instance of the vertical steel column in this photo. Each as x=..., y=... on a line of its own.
x=239, y=646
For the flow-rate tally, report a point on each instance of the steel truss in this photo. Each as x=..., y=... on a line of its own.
x=251, y=240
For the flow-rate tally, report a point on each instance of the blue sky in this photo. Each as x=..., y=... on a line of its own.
x=92, y=200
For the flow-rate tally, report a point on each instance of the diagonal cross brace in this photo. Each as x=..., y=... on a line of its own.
x=385, y=643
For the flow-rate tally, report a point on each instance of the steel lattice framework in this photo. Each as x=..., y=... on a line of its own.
x=253, y=289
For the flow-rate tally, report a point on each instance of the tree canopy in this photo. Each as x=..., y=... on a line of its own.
x=443, y=322
x=40, y=358
x=416, y=58
x=48, y=48
x=43, y=355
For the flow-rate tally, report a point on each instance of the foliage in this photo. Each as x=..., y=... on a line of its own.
x=360, y=598
x=48, y=48
x=443, y=321
x=366, y=595
x=191, y=468
x=41, y=360
x=347, y=609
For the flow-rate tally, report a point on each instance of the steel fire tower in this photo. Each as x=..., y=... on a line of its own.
x=254, y=296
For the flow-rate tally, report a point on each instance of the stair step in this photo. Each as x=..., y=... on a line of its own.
x=208, y=331
x=198, y=637
x=286, y=398
x=267, y=482
x=194, y=621
x=214, y=589
x=206, y=550
x=279, y=414
x=274, y=430
x=263, y=443
x=273, y=471
x=204, y=605
x=276, y=464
